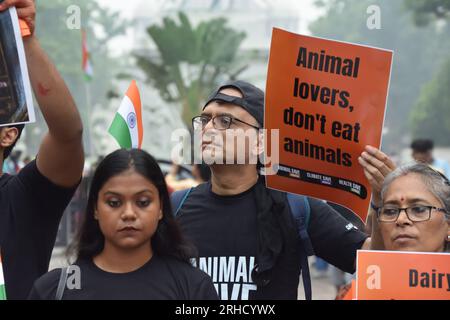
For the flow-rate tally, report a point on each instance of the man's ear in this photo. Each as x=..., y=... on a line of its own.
x=8, y=136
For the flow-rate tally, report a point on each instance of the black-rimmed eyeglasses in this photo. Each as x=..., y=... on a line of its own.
x=415, y=213
x=220, y=122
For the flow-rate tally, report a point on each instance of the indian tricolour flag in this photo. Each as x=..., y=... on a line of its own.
x=86, y=65
x=2, y=282
x=126, y=127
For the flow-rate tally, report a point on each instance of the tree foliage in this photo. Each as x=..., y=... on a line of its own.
x=426, y=11
x=430, y=116
x=190, y=61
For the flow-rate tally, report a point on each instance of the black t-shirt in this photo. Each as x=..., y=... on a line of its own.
x=31, y=208
x=334, y=238
x=224, y=230
x=161, y=278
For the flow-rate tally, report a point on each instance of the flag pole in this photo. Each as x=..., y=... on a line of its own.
x=87, y=74
x=88, y=118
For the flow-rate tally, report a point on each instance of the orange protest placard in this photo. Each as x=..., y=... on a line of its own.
x=350, y=295
x=397, y=275
x=327, y=98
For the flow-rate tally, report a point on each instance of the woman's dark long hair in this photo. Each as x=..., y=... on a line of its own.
x=167, y=240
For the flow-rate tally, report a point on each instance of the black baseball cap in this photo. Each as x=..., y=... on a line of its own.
x=252, y=98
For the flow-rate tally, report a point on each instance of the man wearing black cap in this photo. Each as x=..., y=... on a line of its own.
x=244, y=232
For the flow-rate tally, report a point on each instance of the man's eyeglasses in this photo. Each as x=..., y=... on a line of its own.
x=415, y=213
x=220, y=122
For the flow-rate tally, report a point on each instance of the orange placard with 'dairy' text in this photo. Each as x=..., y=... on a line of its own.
x=398, y=275
x=328, y=100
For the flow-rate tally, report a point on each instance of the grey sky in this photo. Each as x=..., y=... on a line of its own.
x=307, y=12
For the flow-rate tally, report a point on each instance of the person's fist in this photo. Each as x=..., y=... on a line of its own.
x=26, y=10
x=377, y=166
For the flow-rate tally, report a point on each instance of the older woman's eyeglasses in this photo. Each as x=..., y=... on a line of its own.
x=415, y=213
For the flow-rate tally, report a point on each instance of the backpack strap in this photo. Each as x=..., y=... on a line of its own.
x=178, y=198
x=301, y=211
x=62, y=283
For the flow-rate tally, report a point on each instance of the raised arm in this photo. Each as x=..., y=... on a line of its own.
x=61, y=156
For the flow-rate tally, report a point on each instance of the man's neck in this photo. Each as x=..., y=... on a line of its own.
x=116, y=260
x=227, y=180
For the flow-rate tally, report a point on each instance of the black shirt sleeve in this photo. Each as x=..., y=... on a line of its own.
x=34, y=294
x=205, y=290
x=45, y=287
x=35, y=206
x=194, y=284
x=334, y=239
x=49, y=198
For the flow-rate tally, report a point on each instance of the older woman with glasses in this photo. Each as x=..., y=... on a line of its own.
x=416, y=210
x=414, y=215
